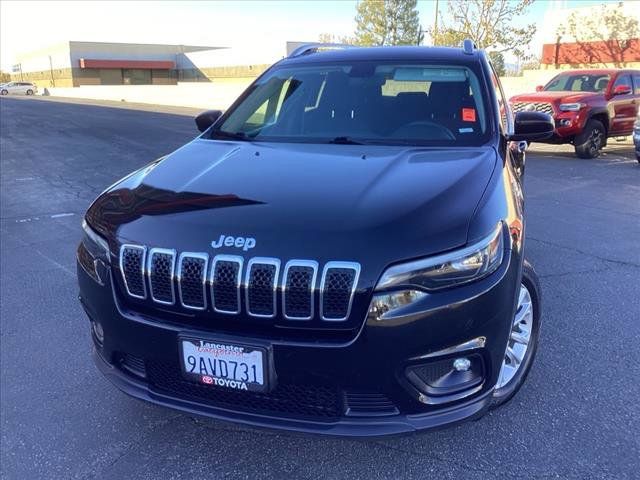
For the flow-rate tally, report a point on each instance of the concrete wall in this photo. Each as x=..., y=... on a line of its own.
x=211, y=95
x=527, y=83
x=220, y=92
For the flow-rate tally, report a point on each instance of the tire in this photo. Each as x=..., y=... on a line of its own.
x=505, y=391
x=4, y=92
x=589, y=143
x=29, y=92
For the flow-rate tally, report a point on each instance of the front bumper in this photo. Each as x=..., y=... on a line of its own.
x=374, y=362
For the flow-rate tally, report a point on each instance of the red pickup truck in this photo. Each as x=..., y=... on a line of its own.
x=588, y=106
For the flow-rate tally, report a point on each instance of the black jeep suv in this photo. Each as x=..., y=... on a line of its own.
x=340, y=252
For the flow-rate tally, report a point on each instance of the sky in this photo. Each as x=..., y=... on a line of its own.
x=30, y=25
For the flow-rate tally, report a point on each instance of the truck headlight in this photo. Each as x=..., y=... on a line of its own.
x=450, y=269
x=570, y=107
x=93, y=253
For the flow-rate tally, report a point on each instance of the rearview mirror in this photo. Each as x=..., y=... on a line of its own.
x=532, y=126
x=539, y=88
x=621, y=90
x=206, y=119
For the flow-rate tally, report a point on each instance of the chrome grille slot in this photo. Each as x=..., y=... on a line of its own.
x=543, y=107
x=225, y=283
x=339, y=282
x=132, y=258
x=298, y=285
x=192, y=275
x=161, y=268
x=261, y=282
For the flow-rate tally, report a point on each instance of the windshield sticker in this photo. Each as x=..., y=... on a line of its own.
x=465, y=130
x=468, y=114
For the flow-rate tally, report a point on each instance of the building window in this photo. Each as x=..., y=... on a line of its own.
x=135, y=76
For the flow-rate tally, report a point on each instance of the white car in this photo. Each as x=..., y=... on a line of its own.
x=18, y=88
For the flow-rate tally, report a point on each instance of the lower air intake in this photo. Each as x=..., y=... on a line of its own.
x=287, y=399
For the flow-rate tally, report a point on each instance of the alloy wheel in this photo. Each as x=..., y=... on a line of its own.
x=519, y=338
x=595, y=140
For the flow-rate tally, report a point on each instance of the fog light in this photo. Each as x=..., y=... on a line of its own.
x=461, y=364
x=448, y=379
x=98, y=332
x=565, y=123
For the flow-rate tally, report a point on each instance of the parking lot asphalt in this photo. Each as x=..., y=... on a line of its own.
x=577, y=416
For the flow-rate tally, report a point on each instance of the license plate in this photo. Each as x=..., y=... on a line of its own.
x=238, y=367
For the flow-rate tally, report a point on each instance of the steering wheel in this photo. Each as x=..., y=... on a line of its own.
x=424, y=129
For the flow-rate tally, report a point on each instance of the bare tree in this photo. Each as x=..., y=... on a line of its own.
x=489, y=23
x=602, y=37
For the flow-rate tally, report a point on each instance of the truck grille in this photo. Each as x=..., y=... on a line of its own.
x=222, y=285
x=532, y=107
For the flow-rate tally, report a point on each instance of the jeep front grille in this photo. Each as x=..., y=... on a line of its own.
x=339, y=280
x=192, y=275
x=299, y=279
x=226, y=279
x=161, y=270
x=230, y=288
x=262, y=282
x=543, y=107
x=132, y=259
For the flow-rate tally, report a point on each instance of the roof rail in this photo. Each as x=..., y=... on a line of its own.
x=468, y=46
x=308, y=48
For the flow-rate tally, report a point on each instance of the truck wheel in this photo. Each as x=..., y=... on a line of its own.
x=590, y=141
x=523, y=339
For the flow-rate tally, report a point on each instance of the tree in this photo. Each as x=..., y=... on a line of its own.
x=497, y=60
x=489, y=23
x=4, y=77
x=609, y=26
x=388, y=22
x=331, y=38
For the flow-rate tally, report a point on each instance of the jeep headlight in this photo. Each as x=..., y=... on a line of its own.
x=93, y=253
x=412, y=281
x=570, y=107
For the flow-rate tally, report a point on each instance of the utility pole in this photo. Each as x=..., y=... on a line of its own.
x=53, y=81
x=435, y=26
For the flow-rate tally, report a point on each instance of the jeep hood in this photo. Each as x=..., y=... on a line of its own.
x=323, y=202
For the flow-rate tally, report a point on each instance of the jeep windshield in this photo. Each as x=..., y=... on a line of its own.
x=361, y=103
x=573, y=82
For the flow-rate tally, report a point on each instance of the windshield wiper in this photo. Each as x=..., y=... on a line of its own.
x=345, y=141
x=223, y=135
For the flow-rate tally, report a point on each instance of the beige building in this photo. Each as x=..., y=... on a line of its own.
x=73, y=63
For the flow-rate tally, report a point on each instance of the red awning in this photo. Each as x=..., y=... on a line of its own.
x=146, y=64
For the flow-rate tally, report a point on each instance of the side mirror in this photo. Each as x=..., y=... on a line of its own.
x=539, y=88
x=621, y=90
x=532, y=126
x=208, y=118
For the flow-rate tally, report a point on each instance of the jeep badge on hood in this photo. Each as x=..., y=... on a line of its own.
x=246, y=243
